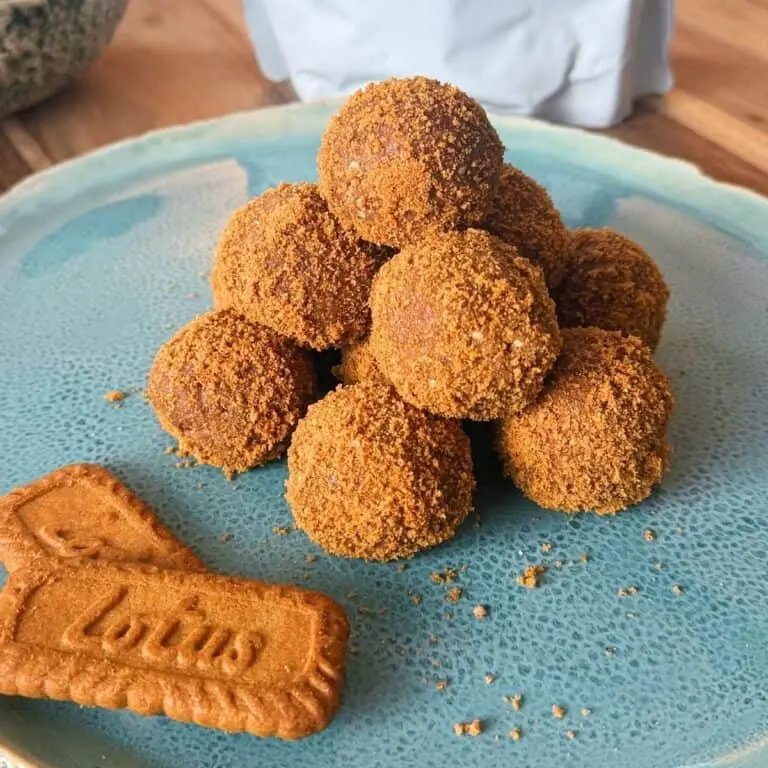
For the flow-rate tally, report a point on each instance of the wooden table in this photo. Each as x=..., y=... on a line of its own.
x=174, y=61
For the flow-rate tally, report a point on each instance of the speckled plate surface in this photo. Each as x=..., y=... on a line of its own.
x=99, y=263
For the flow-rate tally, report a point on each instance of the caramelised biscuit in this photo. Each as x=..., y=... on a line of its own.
x=83, y=511
x=214, y=650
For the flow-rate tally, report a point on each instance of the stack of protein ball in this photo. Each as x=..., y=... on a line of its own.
x=455, y=292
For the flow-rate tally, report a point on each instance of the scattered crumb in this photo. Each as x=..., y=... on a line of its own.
x=115, y=396
x=352, y=595
x=433, y=638
x=586, y=711
x=185, y=464
x=658, y=566
x=354, y=649
x=225, y=537
x=200, y=486
x=610, y=650
x=447, y=615
x=584, y=557
x=559, y=563
x=558, y=711
x=402, y=566
x=480, y=612
x=571, y=735
x=446, y=576
x=649, y=535
x=546, y=546
x=531, y=576
x=516, y=701
x=627, y=591
x=362, y=610
x=203, y=274
x=463, y=568
x=489, y=679
x=436, y=663
x=475, y=728
x=458, y=729
x=677, y=589
x=516, y=734
x=441, y=685
x=310, y=558
x=281, y=530
x=631, y=615
x=416, y=599
x=168, y=326
x=679, y=529
x=454, y=595
x=400, y=650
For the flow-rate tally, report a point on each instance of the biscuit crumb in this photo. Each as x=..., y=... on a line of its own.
x=447, y=616
x=416, y=599
x=115, y=396
x=475, y=728
x=200, y=486
x=354, y=649
x=571, y=735
x=515, y=701
x=584, y=557
x=649, y=534
x=185, y=464
x=586, y=711
x=559, y=563
x=441, y=685
x=627, y=591
x=402, y=566
x=546, y=546
x=677, y=589
x=310, y=558
x=489, y=679
x=480, y=612
x=516, y=734
x=203, y=274
x=531, y=576
x=631, y=615
x=170, y=450
x=458, y=729
x=225, y=537
x=558, y=711
x=658, y=566
x=454, y=595
x=433, y=638
x=610, y=650
x=446, y=576
x=362, y=610
x=352, y=595
x=281, y=530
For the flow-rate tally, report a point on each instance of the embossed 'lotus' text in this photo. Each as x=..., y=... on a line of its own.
x=182, y=638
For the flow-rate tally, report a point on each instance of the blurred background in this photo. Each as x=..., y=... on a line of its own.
x=686, y=79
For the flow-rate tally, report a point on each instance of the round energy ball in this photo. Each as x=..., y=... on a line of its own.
x=407, y=156
x=463, y=326
x=358, y=364
x=286, y=262
x=611, y=282
x=595, y=439
x=370, y=476
x=230, y=391
x=523, y=214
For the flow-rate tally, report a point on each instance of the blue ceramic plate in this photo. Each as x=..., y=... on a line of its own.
x=103, y=258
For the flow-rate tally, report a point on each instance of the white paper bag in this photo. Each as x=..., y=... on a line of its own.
x=574, y=61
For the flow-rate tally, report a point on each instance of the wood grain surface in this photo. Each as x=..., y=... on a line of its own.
x=174, y=61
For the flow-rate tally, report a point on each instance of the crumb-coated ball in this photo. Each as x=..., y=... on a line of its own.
x=358, y=364
x=407, y=156
x=523, y=214
x=463, y=326
x=611, y=282
x=370, y=476
x=595, y=439
x=286, y=262
x=230, y=391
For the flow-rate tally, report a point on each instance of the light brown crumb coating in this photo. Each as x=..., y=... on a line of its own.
x=523, y=214
x=230, y=391
x=370, y=476
x=358, y=364
x=286, y=262
x=595, y=439
x=463, y=326
x=407, y=156
x=612, y=283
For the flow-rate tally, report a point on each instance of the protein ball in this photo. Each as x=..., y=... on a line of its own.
x=286, y=262
x=358, y=364
x=612, y=283
x=595, y=439
x=523, y=214
x=463, y=326
x=407, y=156
x=230, y=391
x=370, y=476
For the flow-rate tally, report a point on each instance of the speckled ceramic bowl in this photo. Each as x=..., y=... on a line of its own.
x=101, y=259
x=46, y=44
